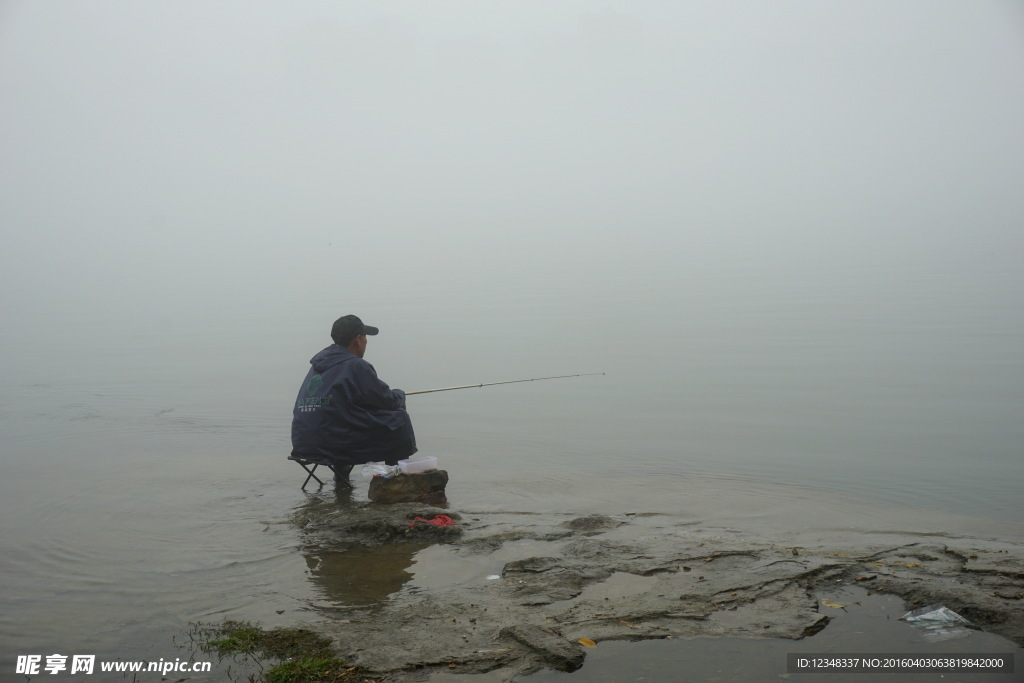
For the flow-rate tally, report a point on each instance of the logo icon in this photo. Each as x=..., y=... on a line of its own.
x=314, y=383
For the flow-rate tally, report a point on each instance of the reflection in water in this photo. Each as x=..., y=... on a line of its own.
x=356, y=574
x=345, y=571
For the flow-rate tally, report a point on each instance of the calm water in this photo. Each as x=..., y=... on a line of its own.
x=143, y=450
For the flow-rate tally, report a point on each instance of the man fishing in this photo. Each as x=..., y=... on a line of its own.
x=344, y=414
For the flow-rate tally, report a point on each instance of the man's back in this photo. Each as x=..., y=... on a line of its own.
x=344, y=413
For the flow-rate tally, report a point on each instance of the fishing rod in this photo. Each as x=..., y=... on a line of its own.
x=491, y=384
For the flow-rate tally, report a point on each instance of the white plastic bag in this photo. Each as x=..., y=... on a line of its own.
x=379, y=469
x=937, y=623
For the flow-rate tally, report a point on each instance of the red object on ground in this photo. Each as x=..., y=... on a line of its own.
x=439, y=520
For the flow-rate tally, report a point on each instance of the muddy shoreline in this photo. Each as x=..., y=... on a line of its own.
x=632, y=576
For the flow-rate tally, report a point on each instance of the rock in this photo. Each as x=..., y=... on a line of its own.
x=422, y=487
x=369, y=524
x=543, y=580
x=635, y=586
x=553, y=648
x=592, y=523
x=530, y=564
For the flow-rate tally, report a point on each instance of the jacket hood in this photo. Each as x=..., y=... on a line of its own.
x=329, y=357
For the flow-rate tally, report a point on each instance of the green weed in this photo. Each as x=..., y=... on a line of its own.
x=302, y=656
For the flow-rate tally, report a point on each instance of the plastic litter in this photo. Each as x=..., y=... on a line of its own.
x=937, y=623
x=419, y=463
x=438, y=520
x=379, y=469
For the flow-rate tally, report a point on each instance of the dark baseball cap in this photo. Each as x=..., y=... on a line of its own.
x=349, y=326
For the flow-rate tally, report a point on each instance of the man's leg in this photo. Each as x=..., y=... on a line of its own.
x=341, y=475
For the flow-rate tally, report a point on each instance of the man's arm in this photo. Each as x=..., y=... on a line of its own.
x=371, y=392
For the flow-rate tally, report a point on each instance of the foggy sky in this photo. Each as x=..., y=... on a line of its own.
x=174, y=161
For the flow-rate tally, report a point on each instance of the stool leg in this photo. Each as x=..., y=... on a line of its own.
x=311, y=475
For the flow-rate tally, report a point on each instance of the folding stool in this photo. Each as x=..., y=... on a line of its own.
x=311, y=463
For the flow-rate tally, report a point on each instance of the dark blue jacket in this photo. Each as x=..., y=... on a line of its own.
x=344, y=414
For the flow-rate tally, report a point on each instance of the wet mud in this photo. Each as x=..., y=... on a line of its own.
x=612, y=577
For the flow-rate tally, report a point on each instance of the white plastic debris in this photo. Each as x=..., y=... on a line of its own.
x=379, y=469
x=937, y=623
